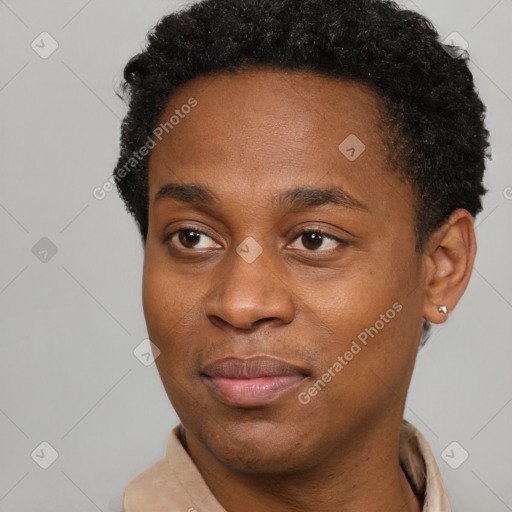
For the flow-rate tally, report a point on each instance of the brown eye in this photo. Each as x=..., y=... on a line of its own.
x=312, y=240
x=189, y=238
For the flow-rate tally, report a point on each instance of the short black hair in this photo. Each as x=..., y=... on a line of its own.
x=432, y=108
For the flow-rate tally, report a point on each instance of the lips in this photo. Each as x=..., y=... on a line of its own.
x=251, y=382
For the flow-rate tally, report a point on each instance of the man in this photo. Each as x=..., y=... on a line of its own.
x=304, y=174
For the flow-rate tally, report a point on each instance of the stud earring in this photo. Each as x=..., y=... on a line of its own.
x=443, y=309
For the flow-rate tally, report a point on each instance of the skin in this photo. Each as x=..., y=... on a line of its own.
x=252, y=136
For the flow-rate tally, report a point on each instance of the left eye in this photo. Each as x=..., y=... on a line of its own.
x=313, y=240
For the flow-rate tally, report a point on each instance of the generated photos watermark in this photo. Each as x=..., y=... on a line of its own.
x=137, y=156
x=355, y=348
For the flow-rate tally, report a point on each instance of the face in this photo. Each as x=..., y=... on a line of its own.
x=281, y=281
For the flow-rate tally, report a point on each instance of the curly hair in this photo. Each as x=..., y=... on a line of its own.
x=431, y=102
x=435, y=120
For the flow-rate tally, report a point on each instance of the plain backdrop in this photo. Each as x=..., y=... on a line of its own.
x=70, y=273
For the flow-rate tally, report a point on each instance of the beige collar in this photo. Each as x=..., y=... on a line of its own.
x=174, y=483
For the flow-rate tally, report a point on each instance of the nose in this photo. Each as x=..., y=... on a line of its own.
x=244, y=294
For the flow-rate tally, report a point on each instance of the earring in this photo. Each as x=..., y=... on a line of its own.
x=443, y=309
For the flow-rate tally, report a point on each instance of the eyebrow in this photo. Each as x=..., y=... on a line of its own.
x=299, y=198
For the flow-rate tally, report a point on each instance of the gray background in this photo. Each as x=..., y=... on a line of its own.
x=69, y=325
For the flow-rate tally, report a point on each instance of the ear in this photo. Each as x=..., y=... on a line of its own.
x=449, y=256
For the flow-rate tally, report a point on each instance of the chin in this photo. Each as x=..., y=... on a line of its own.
x=259, y=447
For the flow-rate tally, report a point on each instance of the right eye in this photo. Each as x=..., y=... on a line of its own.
x=189, y=238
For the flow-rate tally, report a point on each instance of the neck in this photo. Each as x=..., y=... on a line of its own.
x=365, y=476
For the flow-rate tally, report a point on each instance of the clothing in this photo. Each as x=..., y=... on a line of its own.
x=174, y=483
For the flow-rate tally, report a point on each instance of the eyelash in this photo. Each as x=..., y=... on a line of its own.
x=324, y=234
x=341, y=241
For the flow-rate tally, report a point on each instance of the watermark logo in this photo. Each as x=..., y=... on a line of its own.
x=454, y=455
x=146, y=352
x=249, y=249
x=352, y=147
x=455, y=45
x=44, y=455
x=44, y=250
x=44, y=45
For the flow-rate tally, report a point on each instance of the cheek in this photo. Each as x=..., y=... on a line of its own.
x=368, y=370
x=169, y=309
x=371, y=320
x=350, y=303
x=169, y=303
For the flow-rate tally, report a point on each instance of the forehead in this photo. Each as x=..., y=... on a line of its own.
x=300, y=108
x=260, y=130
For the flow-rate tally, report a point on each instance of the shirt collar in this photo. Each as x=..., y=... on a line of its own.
x=174, y=482
x=419, y=464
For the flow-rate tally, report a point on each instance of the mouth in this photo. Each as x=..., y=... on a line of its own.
x=251, y=382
